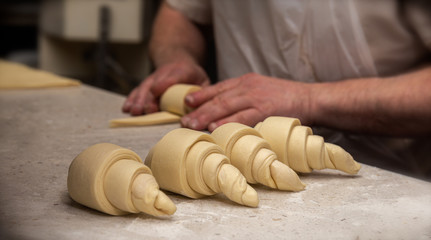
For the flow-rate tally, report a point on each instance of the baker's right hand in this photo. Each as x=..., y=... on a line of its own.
x=145, y=98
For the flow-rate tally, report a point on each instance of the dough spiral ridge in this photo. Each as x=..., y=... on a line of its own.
x=189, y=163
x=252, y=155
x=103, y=177
x=297, y=147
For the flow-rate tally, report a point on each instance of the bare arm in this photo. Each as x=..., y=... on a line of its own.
x=177, y=48
x=175, y=37
x=393, y=106
x=397, y=106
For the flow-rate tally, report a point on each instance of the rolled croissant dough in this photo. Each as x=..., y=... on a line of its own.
x=173, y=99
x=297, y=147
x=18, y=76
x=189, y=163
x=253, y=156
x=112, y=179
x=172, y=107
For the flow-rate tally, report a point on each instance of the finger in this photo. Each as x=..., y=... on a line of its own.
x=142, y=97
x=151, y=104
x=161, y=85
x=144, y=104
x=196, y=99
x=249, y=117
x=217, y=108
x=127, y=106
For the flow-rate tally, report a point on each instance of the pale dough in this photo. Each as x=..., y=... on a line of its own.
x=145, y=120
x=173, y=99
x=252, y=155
x=19, y=76
x=297, y=147
x=113, y=180
x=189, y=163
x=172, y=107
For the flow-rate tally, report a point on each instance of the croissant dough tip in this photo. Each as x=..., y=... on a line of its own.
x=164, y=205
x=250, y=198
x=342, y=160
x=147, y=197
x=285, y=178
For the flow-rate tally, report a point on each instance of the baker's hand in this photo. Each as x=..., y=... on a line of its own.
x=144, y=98
x=248, y=99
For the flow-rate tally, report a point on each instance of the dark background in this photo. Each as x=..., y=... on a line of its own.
x=19, y=27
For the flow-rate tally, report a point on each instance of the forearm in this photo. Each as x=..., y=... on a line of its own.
x=397, y=106
x=175, y=38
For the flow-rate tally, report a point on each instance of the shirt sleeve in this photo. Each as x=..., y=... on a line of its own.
x=418, y=13
x=198, y=11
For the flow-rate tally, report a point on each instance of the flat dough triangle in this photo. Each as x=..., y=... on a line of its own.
x=145, y=120
x=19, y=76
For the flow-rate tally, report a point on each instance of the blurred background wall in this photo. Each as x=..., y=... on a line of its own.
x=18, y=30
x=100, y=42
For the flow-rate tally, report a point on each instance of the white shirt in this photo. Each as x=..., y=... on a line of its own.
x=324, y=40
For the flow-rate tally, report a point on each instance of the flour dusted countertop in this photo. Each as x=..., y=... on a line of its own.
x=41, y=131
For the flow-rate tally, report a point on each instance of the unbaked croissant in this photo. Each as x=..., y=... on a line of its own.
x=114, y=180
x=189, y=163
x=172, y=107
x=252, y=155
x=297, y=147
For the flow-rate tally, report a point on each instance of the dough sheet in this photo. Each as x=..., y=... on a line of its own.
x=172, y=107
x=19, y=76
x=146, y=120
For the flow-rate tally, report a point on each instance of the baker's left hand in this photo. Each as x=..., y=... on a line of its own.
x=248, y=99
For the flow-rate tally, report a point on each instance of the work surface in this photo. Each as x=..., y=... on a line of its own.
x=43, y=130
